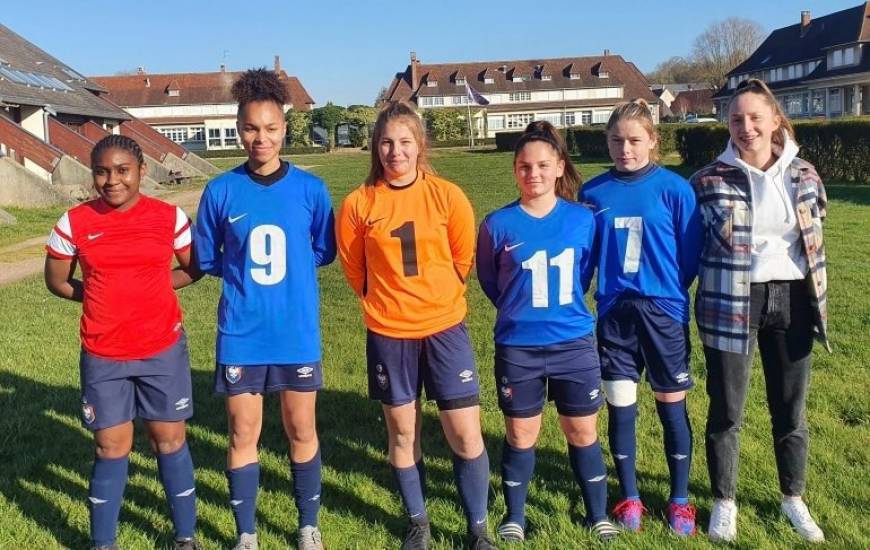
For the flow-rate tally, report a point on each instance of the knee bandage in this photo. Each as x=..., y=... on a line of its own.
x=620, y=393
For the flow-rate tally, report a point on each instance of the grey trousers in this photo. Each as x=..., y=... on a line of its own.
x=781, y=327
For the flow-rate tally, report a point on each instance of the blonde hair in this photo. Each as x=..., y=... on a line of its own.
x=636, y=109
x=541, y=130
x=758, y=87
x=398, y=111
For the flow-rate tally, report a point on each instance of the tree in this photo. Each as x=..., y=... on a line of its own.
x=381, y=97
x=362, y=118
x=298, y=128
x=677, y=69
x=329, y=117
x=723, y=45
x=445, y=124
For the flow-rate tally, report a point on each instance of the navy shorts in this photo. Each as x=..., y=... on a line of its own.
x=156, y=388
x=443, y=363
x=238, y=379
x=569, y=373
x=636, y=334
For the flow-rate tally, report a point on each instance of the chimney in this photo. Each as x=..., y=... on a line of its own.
x=606, y=52
x=147, y=82
x=277, y=63
x=140, y=70
x=806, y=18
x=223, y=67
x=415, y=71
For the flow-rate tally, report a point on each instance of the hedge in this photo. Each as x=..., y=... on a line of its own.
x=225, y=153
x=839, y=149
x=478, y=142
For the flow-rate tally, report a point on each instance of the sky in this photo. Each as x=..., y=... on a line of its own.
x=345, y=52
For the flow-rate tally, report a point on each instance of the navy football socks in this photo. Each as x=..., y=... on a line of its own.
x=411, y=488
x=306, y=489
x=623, y=447
x=244, y=483
x=108, y=480
x=678, y=446
x=472, y=480
x=590, y=473
x=176, y=475
x=517, y=467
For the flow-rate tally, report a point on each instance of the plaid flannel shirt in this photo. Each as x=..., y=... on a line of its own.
x=722, y=299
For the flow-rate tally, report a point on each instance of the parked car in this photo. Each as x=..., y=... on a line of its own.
x=694, y=119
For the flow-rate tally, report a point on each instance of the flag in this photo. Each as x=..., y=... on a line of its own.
x=474, y=96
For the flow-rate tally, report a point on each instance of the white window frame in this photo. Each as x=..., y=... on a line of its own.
x=518, y=120
x=516, y=97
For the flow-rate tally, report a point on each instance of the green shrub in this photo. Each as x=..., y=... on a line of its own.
x=700, y=144
x=478, y=142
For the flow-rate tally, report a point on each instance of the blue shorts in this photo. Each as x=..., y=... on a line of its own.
x=238, y=379
x=156, y=388
x=569, y=373
x=636, y=334
x=443, y=363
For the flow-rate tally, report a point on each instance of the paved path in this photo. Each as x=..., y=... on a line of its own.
x=11, y=272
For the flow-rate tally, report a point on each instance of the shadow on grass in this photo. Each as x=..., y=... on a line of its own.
x=856, y=194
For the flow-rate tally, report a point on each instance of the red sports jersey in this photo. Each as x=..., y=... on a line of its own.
x=130, y=310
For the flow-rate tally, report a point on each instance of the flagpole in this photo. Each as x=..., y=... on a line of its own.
x=470, y=127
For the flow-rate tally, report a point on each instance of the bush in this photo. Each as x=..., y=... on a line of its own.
x=700, y=144
x=460, y=142
x=227, y=153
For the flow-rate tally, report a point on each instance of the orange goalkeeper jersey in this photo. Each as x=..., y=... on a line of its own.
x=406, y=252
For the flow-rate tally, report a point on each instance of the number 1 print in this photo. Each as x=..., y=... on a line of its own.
x=405, y=234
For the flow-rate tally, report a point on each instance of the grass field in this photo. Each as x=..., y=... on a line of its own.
x=46, y=454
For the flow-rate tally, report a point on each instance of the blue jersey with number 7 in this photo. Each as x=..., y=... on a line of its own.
x=648, y=239
x=266, y=242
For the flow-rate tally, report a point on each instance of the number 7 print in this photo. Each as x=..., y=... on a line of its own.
x=631, y=263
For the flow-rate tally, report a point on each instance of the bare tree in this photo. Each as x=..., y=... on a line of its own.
x=675, y=69
x=723, y=45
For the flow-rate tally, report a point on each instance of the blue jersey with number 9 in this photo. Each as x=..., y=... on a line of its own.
x=266, y=242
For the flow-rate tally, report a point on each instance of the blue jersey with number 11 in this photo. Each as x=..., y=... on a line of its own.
x=536, y=271
x=648, y=239
x=266, y=241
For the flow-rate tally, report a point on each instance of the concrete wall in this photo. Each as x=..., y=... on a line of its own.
x=176, y=164
x=73, y=179
x=21, y=187
x=156, y=171
x=201, y=164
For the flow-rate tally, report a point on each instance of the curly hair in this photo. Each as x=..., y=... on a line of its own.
x=117, y=141
x=260, y=85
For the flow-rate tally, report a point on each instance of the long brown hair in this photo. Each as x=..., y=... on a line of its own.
x=636, y=109
x=541, y=130
x=400, y=111
x=758, y=87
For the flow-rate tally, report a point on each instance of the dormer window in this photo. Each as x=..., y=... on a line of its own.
x=174, y=93
x=574, y=76
x=517, y=79
x=431, y=83
x=488, y=80
x=546, y=77
x=460, y=81
x=603, y=74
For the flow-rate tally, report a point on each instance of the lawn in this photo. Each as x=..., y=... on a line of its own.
x=46, y=454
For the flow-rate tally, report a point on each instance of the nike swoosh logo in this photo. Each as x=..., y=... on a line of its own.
x=372, y=222
x=602, y=210
x=237, y=218
x=509, y=247
x=236, y=502
x=512, y=483
x=96, y=500
x=185, y=493
x=679, y=456
x=597, y=478
x=94, y=236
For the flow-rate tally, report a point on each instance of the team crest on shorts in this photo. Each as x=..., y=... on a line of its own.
x=233, y=373
x=88, y=413
x=507, y=393
x=381, y=376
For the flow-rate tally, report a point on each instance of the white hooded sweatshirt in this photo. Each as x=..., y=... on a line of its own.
x=777, y=253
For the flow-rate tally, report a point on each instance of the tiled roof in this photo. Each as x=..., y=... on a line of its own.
x=693, y=101
x=586, y=71
x=144, y=89
x=21, y=55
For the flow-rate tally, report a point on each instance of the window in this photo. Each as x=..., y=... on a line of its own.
x=600, y=117
x=603, y=74
x=835, y=105
x=794, y=104
x=230, y=137
x=585, y=118
x=849, y=56
x=430, y=101
x=791, y=71
x=197, y=133
x=546, y=77
x=488, y=80
x=799, y=70
x=214, y=137
x=732, y=82
x=779, y=74
x=495, y=123
x=818, y=102
x=553, y=118
x=836, y=58
x=431, y=83
x=574, y=76
x=520, y=96
x=178, y=135
x=460, y=99
x=519, y=121
x=460, y=81
x=570, y=119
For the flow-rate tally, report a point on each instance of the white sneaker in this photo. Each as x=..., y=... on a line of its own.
x=796, y=512
x=247, y=541
x=723, y=520
x=310, y=538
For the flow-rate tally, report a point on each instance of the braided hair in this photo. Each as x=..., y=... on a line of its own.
x=117, y=141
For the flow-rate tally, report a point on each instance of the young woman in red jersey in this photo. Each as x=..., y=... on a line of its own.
x=406, y=242
x=134, y=359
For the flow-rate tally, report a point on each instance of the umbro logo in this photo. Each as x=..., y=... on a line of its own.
x=620, y=457
x=186, y=493
x=305, y=372
x=509, y=247
x=236, y=502
x=96, y=500
x=182, y=403
x=236, y=218
x=594, y=394
x=683, y=377
x=679, y=457
x=466, y=376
